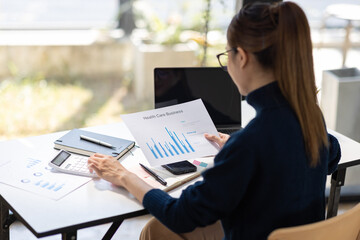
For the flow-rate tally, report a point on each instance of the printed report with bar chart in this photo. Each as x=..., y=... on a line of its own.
x=172, y=134
x=33, y=174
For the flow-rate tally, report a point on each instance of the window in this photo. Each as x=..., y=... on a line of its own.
x=55, y=14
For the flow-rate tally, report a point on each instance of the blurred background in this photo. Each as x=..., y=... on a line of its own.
x=76, y=63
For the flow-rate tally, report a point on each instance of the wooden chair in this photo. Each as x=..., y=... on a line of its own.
x=342, y=227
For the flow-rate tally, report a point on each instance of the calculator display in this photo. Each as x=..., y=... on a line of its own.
x=60, y=158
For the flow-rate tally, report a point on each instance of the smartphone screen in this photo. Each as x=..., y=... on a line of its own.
x=180, y=167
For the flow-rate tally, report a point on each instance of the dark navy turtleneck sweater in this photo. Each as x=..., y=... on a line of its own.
x=261, y=179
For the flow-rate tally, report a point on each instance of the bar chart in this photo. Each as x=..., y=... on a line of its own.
x=34, y=175
x=174, y=133
x=174, y=146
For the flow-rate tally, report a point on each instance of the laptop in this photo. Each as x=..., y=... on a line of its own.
x=213, y=85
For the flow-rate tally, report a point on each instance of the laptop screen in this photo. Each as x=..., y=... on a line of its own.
x=214, y=86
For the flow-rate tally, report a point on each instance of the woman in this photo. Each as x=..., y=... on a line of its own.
x=272, y=173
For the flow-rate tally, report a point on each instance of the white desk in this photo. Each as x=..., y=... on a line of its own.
x=93, y=204
x=96, y=203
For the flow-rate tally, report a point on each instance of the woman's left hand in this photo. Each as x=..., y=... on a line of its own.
x=221, y=140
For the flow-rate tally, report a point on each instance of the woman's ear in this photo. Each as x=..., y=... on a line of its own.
x=243, y=57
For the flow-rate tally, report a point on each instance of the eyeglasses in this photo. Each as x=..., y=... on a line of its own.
x=223, y=58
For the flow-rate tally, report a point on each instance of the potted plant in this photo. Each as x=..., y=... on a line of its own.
x=159, y=43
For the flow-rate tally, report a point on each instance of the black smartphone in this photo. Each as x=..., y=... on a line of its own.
x=180, y=167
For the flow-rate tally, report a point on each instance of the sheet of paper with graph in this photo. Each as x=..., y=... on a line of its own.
x=172, y=134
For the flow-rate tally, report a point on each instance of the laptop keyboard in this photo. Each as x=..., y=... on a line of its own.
x=228, y=130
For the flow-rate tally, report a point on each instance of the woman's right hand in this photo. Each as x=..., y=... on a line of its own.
x=110, y=169
x=219, y=140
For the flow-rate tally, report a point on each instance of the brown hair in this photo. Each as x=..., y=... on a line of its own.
x=279, y=37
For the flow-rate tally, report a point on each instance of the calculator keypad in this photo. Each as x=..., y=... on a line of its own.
x=78, y=164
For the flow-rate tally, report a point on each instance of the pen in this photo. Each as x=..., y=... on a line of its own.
x=93, y=140
x=183, y=181
x=157, y=177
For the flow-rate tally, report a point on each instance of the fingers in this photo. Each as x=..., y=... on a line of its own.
x=223, y=135
x=93, y=160
x=90, y=167
x=92, y=164
x=218, y=140
x=107, y=168
x=99, y=155
x=102, y=163
x=96, y=165
x=211, y=137
x=93, y=168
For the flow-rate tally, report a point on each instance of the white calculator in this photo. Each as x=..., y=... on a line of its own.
x=71, y=163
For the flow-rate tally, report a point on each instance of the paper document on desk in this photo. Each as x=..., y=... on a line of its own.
x=131, y=163
x=34, y=175
x=172, y=134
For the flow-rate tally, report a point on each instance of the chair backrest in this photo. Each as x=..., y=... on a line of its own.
x=345, y=227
